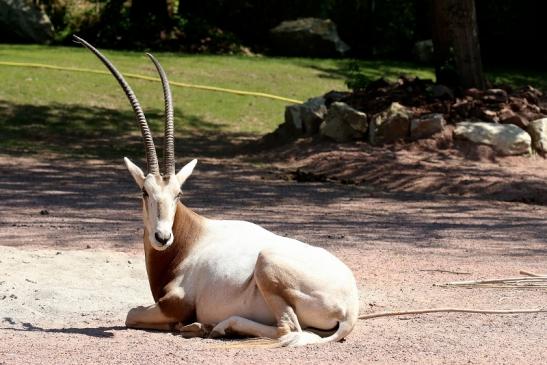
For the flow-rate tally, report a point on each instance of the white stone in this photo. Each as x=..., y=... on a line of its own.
x=506, y=139
x=538, y=132
x=343, y=123
x=426, y=125
x=305, y=118
x=390, y=125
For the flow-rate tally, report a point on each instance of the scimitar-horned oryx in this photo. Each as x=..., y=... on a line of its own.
x=231, y=276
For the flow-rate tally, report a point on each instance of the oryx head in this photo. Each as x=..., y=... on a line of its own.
x=161, y=191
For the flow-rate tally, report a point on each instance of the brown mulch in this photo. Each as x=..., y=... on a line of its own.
x=499, y=104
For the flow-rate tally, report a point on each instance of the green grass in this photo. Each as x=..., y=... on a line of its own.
x=285, y=77
x=88, y=115
x=518, y=77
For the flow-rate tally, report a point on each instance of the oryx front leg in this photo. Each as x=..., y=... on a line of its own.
x=192, y=330
x=170, y=309
x=150, y=317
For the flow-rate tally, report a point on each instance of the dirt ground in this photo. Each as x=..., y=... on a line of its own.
x=71, y=265
x=438, y=165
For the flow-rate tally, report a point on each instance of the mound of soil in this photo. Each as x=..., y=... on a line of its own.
x=439, y=164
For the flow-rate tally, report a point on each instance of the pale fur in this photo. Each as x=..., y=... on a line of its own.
x=239, y=277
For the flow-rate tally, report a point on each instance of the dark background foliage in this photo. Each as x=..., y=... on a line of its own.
x=511, y=31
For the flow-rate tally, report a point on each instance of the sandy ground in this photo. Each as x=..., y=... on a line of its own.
x=71, y=266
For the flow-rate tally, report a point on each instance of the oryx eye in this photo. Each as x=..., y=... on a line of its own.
x=144, y=194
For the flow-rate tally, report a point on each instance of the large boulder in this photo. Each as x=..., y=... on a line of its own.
x=506, y=139
x=305, y=119
x=538, y=132
x=309, y=37
x=343, y=123
x=23, y=20
x=426, y=125
x=390, y=125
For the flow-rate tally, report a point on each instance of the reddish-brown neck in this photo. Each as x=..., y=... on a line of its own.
x=161, y=266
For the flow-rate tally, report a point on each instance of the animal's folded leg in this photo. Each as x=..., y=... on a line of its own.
x=192, y=330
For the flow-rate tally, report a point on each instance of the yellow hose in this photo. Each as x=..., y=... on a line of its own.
x=148, y=78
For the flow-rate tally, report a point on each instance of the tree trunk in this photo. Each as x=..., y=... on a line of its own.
x=444, y=71
x=456, y=44
x=465, y=40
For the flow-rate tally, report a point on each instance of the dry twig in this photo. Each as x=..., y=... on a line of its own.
x=531, y=281
x=453, y=310
x=446, y=271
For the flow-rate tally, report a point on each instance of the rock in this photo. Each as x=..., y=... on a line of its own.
x=333, y=96
x=343, y=123
x=488, y=115
x=529, y=114
x=442, y=92
x=507, y=116
x=473, y=92
x=495, y=96
x=311, y=37
x=531, y=94
x=390, y=125
x=300, y=120
x=423, y=51
x=305, y=119
x=517, y=104
x=23, y=20
x=538, y=132
x=506, y=139
x=426, y=125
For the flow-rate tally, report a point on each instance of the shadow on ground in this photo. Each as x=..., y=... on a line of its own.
x=76, y=204
x=368, y=69
x=91, y=201
x=99, y=332
x=95, y=132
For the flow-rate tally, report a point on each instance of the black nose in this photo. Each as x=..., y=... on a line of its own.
x=163, y=241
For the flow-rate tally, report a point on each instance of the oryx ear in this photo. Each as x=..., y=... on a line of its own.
x=135, y=171
x=186, y=171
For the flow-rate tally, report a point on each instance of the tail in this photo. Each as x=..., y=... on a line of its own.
x=297, y=339
x=291, y=339
x=345, y=326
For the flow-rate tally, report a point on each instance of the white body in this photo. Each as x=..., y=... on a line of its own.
x=227, y=255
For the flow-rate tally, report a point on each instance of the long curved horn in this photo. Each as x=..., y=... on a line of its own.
x=169, y=138
x=150, y=150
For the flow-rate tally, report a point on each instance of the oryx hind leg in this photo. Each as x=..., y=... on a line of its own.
x=243, y=326
x=275, y=286
x=295, y=297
